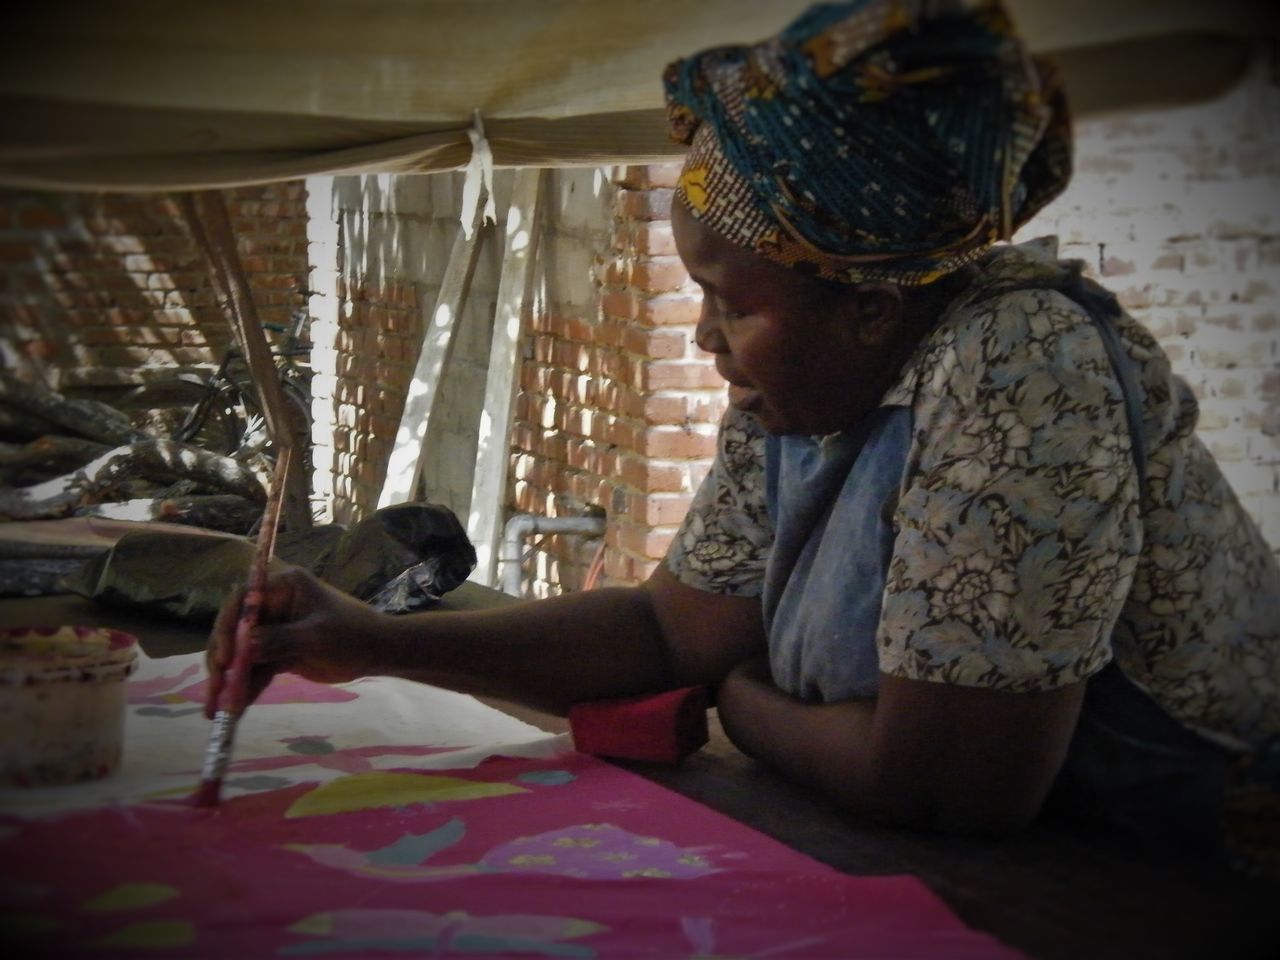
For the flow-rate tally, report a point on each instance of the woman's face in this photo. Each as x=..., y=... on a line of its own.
x=788, y=345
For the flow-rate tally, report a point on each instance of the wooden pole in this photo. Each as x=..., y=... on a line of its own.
x=408, y=454
x=489, y=486
x=205, y=213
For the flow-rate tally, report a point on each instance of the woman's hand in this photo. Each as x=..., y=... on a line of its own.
x=304, y=627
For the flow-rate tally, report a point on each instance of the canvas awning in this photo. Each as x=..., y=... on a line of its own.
x=189, y=94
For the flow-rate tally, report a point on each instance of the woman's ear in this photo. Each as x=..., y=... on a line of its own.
x=877, y=312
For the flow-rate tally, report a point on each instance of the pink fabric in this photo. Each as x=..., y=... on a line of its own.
x=561, y=857
x=284, y=688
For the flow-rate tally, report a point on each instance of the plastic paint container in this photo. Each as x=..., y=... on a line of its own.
x=62, y=703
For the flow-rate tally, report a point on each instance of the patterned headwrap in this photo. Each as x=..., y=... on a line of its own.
x=872, y=140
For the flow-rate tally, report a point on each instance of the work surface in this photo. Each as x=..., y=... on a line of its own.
x=1053, y=892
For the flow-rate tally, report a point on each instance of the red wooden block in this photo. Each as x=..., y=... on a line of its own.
x=662, y=728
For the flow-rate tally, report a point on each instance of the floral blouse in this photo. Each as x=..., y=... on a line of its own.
x=1025, y=556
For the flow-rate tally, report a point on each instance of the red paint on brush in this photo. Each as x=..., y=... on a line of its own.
x=207, y=794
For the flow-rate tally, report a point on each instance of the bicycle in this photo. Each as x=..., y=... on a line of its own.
x=220, y=412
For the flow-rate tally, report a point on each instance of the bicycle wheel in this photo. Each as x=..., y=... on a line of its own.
x=297, y=409
x=189, y=410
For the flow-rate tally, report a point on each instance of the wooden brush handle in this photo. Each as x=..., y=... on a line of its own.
x=235, y=690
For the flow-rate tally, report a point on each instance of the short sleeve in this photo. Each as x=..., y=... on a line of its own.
x=1017, y=528
x=723, y=544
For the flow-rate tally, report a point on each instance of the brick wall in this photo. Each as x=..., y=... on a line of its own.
x=617, y=407
x=380, y=248
x=605, y=415
x=99, y=290
x=557, y=468
x=1178, y=212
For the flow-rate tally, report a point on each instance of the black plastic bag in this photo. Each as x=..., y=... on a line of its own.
x=402, y=558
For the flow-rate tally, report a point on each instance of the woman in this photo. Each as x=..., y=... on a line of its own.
x=960, y=550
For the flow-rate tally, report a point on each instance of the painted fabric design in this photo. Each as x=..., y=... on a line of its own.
x=373, y=855
x=874, y=140
x=297, y=732
x=1019, y=545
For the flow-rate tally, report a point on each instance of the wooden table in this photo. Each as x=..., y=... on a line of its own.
x=1055, y=891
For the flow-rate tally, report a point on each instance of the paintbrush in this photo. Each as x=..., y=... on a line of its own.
x=234, y=695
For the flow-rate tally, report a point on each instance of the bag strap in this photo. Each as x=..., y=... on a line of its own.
x=1103, y=309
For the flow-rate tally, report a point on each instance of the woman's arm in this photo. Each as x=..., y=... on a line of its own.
x=547, y=654
x=934, y=755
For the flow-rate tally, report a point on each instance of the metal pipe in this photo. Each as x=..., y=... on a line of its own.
x=522, y=525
